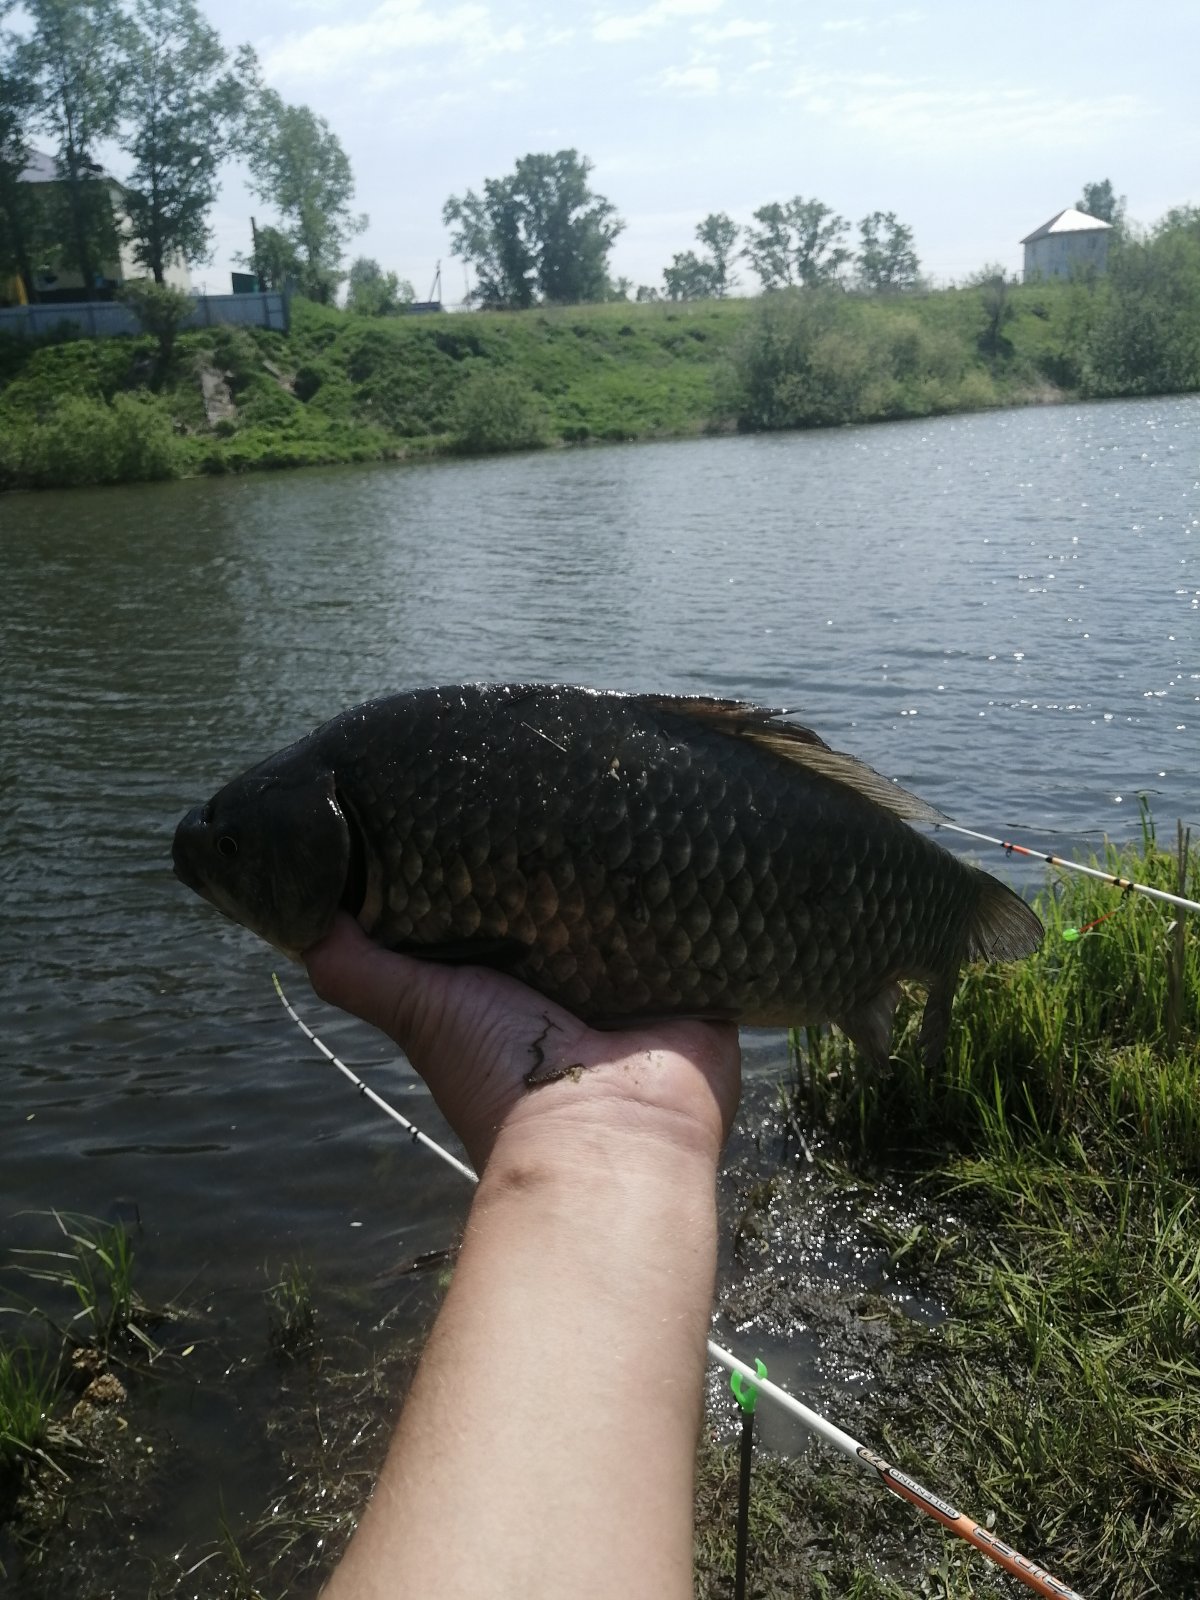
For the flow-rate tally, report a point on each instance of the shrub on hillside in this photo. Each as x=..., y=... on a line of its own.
x=496, y=411
x=1146, y=339
x=85, y=441
x=812, y=359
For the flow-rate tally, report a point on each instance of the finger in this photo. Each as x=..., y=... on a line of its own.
x=385, y=989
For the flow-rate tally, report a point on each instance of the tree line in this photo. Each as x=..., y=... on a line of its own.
x=542, y=234
x=154, y=77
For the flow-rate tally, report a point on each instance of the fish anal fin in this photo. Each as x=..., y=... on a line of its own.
x=869, y=1025
x=935, y=1021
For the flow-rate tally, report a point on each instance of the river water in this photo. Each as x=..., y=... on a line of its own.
x=1001, y=611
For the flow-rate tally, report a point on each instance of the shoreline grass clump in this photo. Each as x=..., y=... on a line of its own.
x=28, y=1385
x=1063, y=1130
x=1077, y=1035
x=291, y=1313
x=96, y=1274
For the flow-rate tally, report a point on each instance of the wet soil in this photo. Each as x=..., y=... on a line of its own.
x=807, y=1280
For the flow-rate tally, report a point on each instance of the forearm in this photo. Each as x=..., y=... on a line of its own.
x=547, y=1446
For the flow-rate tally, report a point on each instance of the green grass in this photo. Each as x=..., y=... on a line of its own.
x=28, y=1383
x=1076, y=1037
x=95, y=1271
x=291, y=1313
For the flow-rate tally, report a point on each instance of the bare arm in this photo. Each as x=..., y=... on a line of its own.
x=547, y=1446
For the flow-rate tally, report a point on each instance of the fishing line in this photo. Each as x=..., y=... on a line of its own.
x=897, y=1482
x=1127, y=884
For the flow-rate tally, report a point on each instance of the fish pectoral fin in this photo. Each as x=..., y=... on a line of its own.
x=481, y=952
x=791, y=742
x=869, y=1025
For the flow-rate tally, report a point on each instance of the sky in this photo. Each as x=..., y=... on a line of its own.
x=973, y=123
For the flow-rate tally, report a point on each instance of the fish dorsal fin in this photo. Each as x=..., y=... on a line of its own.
x=791, y=742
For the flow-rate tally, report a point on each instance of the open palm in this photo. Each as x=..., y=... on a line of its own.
x=496, y=1053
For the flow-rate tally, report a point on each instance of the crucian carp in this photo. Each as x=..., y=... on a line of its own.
x=629, y=856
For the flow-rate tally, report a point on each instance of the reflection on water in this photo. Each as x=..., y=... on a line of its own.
x=1001, y=611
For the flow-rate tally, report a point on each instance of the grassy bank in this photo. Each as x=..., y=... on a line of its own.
x=342, y=388
x=1057, y=1150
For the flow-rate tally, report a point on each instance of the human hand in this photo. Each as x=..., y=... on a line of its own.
x=480, y=1039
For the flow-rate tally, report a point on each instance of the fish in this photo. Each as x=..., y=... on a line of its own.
x=632, y=857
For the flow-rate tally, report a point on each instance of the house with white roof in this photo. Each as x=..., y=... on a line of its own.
x=1070, y=243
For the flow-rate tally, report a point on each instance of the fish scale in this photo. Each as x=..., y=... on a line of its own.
x=629, y=856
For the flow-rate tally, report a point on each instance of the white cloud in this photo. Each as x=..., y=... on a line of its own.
x=393, y=27
x=920, y=116
x=617, y=29
x=735, y=28
x=695, y=80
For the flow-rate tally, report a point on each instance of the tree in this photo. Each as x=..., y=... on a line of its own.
x=1179, y=219
x=539, y=234
x=689, y=278
x=998, y=310
x=78, y=57
x=274, y=260
x=692, y=277
x=18, y=221
x=375, y=293
x=162, y=311
x=181, y=106
x=1146, y=336
x=298, y=165
x=799, y=243
x=1099, y=200
x=718, y=233
x=886, y=258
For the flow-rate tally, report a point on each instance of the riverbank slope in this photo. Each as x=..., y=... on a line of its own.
x=340, y=387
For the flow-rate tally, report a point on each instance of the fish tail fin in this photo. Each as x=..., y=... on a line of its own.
x=1002, y=927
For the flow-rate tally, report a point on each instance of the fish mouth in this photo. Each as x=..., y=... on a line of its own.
x=188, y=834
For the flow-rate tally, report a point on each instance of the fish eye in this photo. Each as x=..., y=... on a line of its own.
x=226, y=846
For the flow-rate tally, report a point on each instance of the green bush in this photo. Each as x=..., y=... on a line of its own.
x=1146, y=339
x=810, y=359
x=496, y=411
x=161, y=310
x=86, y=441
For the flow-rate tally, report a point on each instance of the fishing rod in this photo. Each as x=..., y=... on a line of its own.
x=899, y=1483
x=1127, y=885
x=410, y=1128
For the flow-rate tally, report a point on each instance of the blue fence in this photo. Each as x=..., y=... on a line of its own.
x=104, y=319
